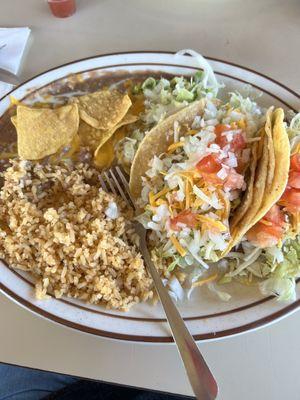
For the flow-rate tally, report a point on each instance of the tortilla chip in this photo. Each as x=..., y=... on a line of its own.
x=103, y=109
x=157, y=141
x=73, y=148
x=95, y=138
x=42, y=132
x=89, y=136
x=105, y=153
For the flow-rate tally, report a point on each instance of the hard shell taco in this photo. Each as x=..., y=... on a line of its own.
x=270, y=180
x=269, y=251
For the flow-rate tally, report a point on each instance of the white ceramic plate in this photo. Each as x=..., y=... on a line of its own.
x=206, y=317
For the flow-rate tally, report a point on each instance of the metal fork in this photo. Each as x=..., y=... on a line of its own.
x=200, y=377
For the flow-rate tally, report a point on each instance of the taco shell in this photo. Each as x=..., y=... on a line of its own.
x=157, y=141
x=271, y=176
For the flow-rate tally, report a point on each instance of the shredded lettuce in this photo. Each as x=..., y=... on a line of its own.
x=295, y=124
x=163, y=96
x=247, y=107
x=172, y=265
x=245, y=104
x=224, y=296
x=127, y=147
x=175, y=289
x=293, y=130
x=281, y=278
x=282, y=287
x=209, y=79
x=277, y=270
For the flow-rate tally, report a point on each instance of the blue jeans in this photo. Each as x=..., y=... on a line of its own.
x=17, y=383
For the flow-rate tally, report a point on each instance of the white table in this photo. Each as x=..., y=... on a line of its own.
x=263, y=35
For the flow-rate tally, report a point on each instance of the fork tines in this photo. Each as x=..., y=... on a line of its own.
x=114, y=180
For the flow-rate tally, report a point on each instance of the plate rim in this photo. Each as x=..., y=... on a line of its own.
x=294, y=93
x=257, y=324
x=212, y=336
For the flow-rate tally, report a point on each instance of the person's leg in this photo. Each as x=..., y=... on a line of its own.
x=92, y=390
x=17, y=383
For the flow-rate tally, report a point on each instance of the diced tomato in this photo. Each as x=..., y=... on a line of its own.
x=238, y=142
x=268, y=233
x=262, y=235
x=233, y=180
x=221, y=139
x=220, y=128
x=291, y=199
x=295, y=162
x=294, y=179
x=209, y=165
x=184, y=217
x=275, y=215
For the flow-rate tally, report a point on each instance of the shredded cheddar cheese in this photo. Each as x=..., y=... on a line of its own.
x=201, y=282
x=171, y=211
x=191, y=132
x=174, y=146
x=226, y=205
x=178, y=246
x=241, y=124
x=153, y=197
x=187, y=194
x=186, y=175
x=212, y=223
x=177, y=205
x=160, y=202
x=198, y=202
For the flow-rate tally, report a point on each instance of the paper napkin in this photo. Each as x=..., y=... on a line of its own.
x=15, y=40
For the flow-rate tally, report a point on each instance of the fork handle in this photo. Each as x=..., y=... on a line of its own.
x=200, y=377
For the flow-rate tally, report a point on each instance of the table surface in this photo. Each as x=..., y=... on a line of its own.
x=263, y=35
